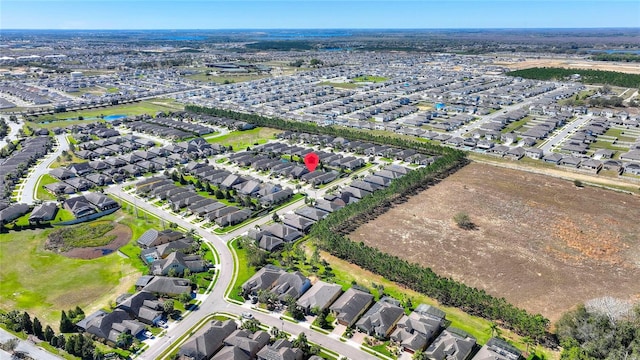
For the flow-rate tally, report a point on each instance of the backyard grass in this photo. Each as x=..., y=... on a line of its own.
x=240, y=140
x=65, y=161
x=516, y=125
x=41, y=192
x=44, y=283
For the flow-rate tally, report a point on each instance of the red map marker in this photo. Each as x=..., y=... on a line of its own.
x=311, y=160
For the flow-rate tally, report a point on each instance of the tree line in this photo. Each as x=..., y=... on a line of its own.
x=623, y=57
x=330, y=232
x=312, y=128
x=613, y=78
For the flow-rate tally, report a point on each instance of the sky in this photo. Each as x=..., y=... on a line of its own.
x=317, y=14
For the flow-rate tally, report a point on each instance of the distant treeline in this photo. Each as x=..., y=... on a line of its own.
x=612, y=78
x=624, y=57
x=284, y=45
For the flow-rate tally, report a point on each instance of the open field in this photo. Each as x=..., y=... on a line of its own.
x=574, y=64
x=240, y=140
x=542, y=243
x=139, y=108
x=44, y=283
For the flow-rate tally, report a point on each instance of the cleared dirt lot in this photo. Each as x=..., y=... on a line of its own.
x=542, y=243
x=631, y=68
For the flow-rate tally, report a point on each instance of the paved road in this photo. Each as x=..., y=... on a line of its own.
x=215, y=301
x=563, y=133
x=28, y=187
x=26, y=347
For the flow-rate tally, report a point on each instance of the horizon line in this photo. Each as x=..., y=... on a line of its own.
x=315, y=29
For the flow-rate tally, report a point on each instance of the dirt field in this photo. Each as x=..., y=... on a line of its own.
x=631, y=68
x=542, y=243
x=123, y=235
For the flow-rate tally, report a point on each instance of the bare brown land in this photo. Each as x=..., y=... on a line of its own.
x=541, y=242
x=629, y=68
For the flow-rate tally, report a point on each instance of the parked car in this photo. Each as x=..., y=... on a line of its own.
x=247, y=315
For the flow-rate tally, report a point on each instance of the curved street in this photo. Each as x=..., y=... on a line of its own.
x=28, y=187
x=215, y=301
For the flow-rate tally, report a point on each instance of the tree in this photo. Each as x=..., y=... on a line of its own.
x=495, y=330
x=219, y=194
x=37, y=328
x=66, y=326
x=26, y=324
x=275, y=217
x=11, y=345
x=48, y=333
x=302, y=343
x=464, y=221
x=61, y=341
x=168, y=306
x=70, y=345
x=293, y=308
x=185, y=298
x=528, y=342
x=124, y=340
x=419, y=355
x=577, y=183
x=252, y=325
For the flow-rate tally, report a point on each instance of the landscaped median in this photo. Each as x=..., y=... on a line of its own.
x=241, y=272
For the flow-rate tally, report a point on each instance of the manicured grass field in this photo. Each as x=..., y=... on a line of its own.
x=370, y=78
x=144, y=107
x=44, y=283
x=244, y=271
x=240, y=140
x=342, y=85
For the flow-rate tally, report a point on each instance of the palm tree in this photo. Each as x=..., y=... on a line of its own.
x=527, y=341
x=495, y=330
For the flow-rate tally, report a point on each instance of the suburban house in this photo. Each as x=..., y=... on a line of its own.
x=319, y=297
x=109, y=326
x=153, y=237
x=143, y=306
x=101, y=201
x=497, y=349
x=381, y=318
x=262, y=280
x=43, y=213
x=13, y=212
x=243, y=344
x=79, y=206
x=416, y=330
x=350, y=305
x=207, y=341
x=178, y=262
x=291, y=285
x=166, y=285
x=452, y=344
x=282, y=349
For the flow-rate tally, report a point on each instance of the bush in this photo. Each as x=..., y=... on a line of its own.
x=464, y=221
x=577, y=183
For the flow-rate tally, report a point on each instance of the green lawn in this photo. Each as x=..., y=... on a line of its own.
x=221, y=79
x=144, y=107
x=370, y=78
x=516, y=125
x=89, y=234
x=41, y=192
x=44, y=283
x=240, y=140
x=342, y=85
x=243, y=270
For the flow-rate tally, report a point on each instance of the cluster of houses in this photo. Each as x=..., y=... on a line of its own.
x=294, y=225
x=17, y=164
x=170, y=252
x=424, y=329
x=168, y=128
x=353, y=146
x=223, y=340
x=184, y=197
x=90, y=205
x=119, y=160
